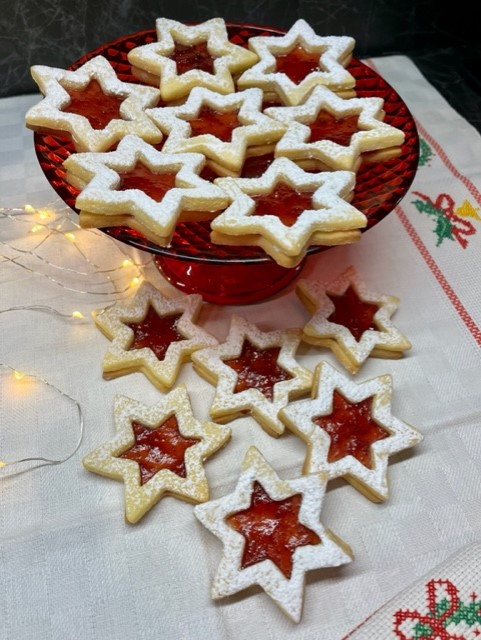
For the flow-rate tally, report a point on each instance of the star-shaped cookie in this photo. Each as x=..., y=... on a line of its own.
x=352, y=321
x=136, y=180
x=158, y=451
x=322, y=60
x=255, y=372
x=188, y=56
x=321, y=129
x=272, y=534
x=153, y=334
x=262, y=210
x=125, y=114
x=349, y=429
x=192, y=126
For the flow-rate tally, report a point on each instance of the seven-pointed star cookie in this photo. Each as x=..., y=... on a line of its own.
x=254, y=128
x=152, y=334
x=326, y=210
x=300, y=501
x=349, y=429
x=102, y=176
x=156, y=62
x=55, y=84
x=302, y=139
x=330, y=54
x=158, y=451
x=255, y=372
x=352, y=321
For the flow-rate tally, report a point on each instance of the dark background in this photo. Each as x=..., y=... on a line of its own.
x=442, y=40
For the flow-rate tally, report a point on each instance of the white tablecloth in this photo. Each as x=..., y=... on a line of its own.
x=71, y=567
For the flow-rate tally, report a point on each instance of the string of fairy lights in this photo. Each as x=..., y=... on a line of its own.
x=26, y=235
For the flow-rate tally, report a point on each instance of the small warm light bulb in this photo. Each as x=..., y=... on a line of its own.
x=37, y=227
x=45, y=214
x=70, y=236
x=18, y=375
x=3, y=464
x=77, y=314
x=135, y=281
x=127, y=263
x=29, y=209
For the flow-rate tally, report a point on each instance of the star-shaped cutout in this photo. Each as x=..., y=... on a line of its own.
x=51, y=113
x=373, y=334
x=254, y=128
x=128, y=182
x=157, y=451
x=324, y=210
x=204, y=45
x=331, y=55
x=152, y=334
x=252, y=390
x=349, y=429
x=312, y=127
x=272, y=536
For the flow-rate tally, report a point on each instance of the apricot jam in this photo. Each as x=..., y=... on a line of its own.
x=195, y=56
x=258, y=369
x=328, y=127
x=298, y=63
x=351, y=429
x=353, y=313
x=220, y=124
x=155, y=332
x=162, y=447
x=271, y=529
x=284, y=202
x=91, y=102
x=155, y=185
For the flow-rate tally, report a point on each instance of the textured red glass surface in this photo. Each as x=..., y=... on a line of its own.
x=351, y=429
x=379, y=188
x=258, y=369
x=160, y=448
x=271, y=529
x=155, y=332
x=353, y=313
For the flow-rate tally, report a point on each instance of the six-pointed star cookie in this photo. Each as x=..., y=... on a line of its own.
x=61, y=109
x=349, y=429
x=152, y=334
x=254, y=372
x=336, y=131
x=287, y=209
x=153, y=187
x=188, y=56
x=352, y=321
x=320, y=60
x=271, y=534
x=189, y=125
x=158, y=451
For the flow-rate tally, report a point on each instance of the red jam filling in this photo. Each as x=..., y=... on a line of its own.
x=272, y=530
x=353, y=313
x=351, y=429
x=155, y=332
x=328, y=127
x=298, y=63
x=258, y=369
x=220, y=124
x=255, y=166
x=162, y=447
x=155, y=185
x=91, y=102
x=284, y=202
x=195, y=56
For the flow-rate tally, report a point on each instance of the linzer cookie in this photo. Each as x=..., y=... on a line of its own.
x=327, y=132
x=188, y=56
x=154, y=188
x=287, y=209
x=158, y=451
x=255, y=372
x=290, y=66
x=351, y=321
x=222, y=127
x=152, y=334
x=349, y=430
x=271, y=534
x=92, y=106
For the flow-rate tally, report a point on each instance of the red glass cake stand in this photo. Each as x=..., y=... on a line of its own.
x=243, y=275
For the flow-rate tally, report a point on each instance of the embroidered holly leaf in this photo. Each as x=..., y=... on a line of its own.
x=444, y=227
